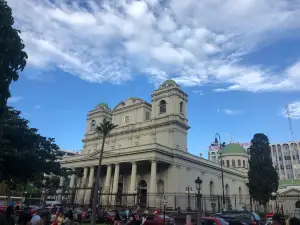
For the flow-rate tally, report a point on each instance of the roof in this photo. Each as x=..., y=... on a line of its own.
x=289, y=182
x=102, y=105
x=169, y=83
x=233, y=149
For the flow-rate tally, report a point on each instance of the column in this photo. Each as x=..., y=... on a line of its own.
x=90, y=186
x=105, y=191
x=116, y=183
x=132, y=188
x=83, y=185
x=153, y=184
x=60, y=190
x=72, y=181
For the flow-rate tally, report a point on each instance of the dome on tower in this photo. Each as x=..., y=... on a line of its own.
x=102, y=105
x=233, y=149
x=168, y=83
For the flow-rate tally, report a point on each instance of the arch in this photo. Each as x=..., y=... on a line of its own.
x=239, y=163
x=181, y=107
x=93, y=125
x=233, y=163
x=162, y=106
x=227, y=190
x=142, y=184
x=227, y=163
x=240, y=195
x=211, y=188
x=244, y=163
x=160, y=187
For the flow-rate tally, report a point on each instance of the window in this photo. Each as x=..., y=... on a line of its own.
x=181, y=107
x=148, y=115
x=227, y=163
x=93, y=125
x=233, y=163
x=288, y=166
x=162, y=106
x=244, y=164
x=239, y=163
x=280, y=158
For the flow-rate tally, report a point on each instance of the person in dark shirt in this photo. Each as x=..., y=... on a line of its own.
x=7, y=218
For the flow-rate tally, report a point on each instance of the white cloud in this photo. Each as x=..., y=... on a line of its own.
x=14, y=99
x=37, y=106
x=194, y=42
x=294, y=110
x=199, y=92
x=231, y=111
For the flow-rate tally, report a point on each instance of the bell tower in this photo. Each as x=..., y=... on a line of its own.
x=169, y=109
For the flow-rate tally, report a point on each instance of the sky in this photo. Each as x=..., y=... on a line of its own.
x=239, y=62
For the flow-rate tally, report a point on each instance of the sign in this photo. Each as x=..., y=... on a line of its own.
x=164, y=200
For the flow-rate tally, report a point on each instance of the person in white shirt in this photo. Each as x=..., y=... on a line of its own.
x=36, y=218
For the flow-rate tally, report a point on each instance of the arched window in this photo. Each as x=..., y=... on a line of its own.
x=227, y=190
x=160, y=187
x=227, y=163
x=93, y=125
x=244, y=164
x=239, y=163
x=240, y=195
x=181, y=107
x=211, y=188
x=233, y=163
x=162, y=106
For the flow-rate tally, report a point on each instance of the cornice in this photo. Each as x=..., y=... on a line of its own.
x=130, y=106
x=169, y=90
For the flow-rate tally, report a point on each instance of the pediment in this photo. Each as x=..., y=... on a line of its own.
x=128, y=102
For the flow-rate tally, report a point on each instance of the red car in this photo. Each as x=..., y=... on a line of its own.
x=213, y=221
x=159, y=220
x=2, y=208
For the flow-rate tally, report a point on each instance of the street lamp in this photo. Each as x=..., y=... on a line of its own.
x=222, y=145
x=198, y=183
x=274, y=197
x=188, y=191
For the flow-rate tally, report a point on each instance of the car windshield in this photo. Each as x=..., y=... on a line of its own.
x=256, y=216
x=239, y=216
x=162, y=216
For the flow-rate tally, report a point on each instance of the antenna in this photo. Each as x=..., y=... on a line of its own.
x=290, y=121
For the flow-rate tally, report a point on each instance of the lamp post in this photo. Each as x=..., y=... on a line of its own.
x=198, y=183
x=189, y=191
x=221, y=145
x=274, y=197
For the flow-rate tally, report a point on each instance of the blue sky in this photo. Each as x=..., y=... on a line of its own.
x=239, y=69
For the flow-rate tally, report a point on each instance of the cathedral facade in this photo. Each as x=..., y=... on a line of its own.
x=146, y=155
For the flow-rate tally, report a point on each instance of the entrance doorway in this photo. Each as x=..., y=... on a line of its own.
x=142, y=193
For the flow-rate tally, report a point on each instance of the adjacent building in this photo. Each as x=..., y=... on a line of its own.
x=147, y=154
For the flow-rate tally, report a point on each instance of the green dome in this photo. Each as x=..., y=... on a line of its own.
x=233, y=149
x=102, y=105
x=169, y=82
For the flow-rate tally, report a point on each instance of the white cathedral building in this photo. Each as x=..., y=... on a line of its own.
x=147, y=154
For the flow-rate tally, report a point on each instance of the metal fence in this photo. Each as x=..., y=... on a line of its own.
x=286, y=204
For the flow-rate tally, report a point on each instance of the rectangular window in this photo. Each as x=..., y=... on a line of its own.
x=227, y=163
x=148, y=115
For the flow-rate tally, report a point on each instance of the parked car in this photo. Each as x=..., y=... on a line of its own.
x=245, y=217
x=213, y=221
x=266, y=221
x=159, y=220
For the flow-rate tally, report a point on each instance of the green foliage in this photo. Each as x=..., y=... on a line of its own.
x=263, y=178
x=105, y=127
x=12, y=56
x=26, y=155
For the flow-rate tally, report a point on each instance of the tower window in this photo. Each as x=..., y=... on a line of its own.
x=244, y=164
x=181, y=107
x=147, y=115
x=239, y=163
x=93, y=125
x=162, y=106
x=227, y=163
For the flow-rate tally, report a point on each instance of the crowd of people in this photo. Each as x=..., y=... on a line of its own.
x=279, y=219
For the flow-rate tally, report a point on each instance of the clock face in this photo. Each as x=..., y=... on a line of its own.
x=126, y=119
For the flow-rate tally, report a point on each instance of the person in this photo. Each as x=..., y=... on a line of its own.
x=45, y=218
x=7, y=218
x=66, y=220
x=144, y=218
x=36, y=218
x=278, y=219
x=157, y=211
x=127, y=213
x=117, y=219
x=293, y=221
x=24, y=219
x=59, y=219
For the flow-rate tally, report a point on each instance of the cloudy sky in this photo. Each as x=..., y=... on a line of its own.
x=239, y=61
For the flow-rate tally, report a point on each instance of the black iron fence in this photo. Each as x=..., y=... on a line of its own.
x=288, y=205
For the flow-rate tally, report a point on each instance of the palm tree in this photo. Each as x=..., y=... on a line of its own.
x=103, y=129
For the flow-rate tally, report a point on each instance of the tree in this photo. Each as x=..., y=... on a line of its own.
x=103, y=129
x=263, y=177
x=12, y=56
x=25, y=155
